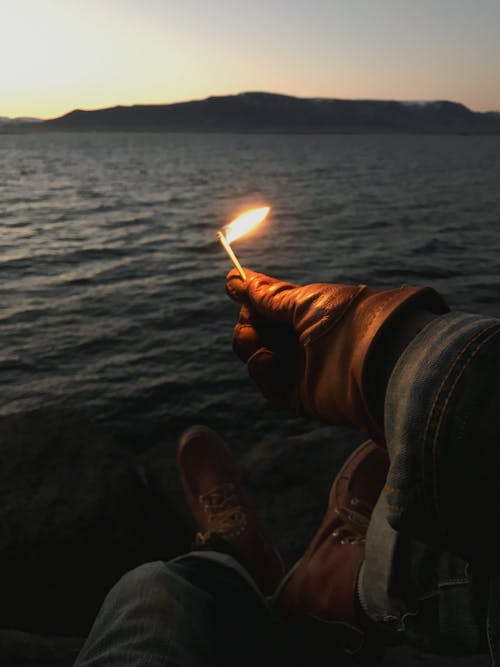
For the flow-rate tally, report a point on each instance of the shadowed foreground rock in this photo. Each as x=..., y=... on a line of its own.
x=76, y=512
x=20, y=649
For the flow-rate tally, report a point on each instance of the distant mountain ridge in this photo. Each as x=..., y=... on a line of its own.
x=269, y=112
x=19, y=119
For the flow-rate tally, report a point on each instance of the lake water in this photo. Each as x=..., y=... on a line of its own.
x=112, y=281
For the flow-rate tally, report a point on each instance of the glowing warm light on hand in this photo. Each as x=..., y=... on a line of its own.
x=237, y=228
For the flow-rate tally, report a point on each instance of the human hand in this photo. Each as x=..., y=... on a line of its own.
x=310, y=348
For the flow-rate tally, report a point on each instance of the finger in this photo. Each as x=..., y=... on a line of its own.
x=247, y=338
x=272, y=298
x=246, y=341
x=247, y=316
x=266, y=369
x=236, y=286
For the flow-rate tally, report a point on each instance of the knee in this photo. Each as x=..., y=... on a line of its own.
x=142, y=582
x=143, y=574
x=155, y=591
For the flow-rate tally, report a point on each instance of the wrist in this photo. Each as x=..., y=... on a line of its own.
x=364, y=344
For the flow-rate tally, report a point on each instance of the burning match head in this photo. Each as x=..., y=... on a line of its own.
x=244, y=223
x=237, y=228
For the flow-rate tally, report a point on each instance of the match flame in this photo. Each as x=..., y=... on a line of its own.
x=244, y=223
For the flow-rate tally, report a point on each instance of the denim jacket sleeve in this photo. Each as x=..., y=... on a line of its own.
x=442, y=426
x=441, y=414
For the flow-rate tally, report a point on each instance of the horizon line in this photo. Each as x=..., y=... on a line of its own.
x=248, y=92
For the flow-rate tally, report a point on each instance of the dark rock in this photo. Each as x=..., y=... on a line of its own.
x=76, y=513
x=409, y=657
x=290, y=481
x=20, y=649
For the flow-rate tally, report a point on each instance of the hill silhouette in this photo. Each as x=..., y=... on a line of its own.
x=268, y=112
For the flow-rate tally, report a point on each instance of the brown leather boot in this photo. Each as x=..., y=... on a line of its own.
x=222, y=508
x=323, y=583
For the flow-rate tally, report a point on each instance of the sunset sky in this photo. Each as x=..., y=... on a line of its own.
x=57, y=55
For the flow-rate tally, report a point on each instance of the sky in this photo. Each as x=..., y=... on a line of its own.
x=58, y=55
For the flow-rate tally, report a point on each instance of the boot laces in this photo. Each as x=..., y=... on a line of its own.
x=226, y=516
x=354, y=523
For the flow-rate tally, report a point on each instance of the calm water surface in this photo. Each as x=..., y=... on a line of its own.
x=112, y=281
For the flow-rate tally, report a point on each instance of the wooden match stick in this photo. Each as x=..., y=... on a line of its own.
x=231, y=254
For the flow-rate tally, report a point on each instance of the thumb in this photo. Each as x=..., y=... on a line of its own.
x=271, y=297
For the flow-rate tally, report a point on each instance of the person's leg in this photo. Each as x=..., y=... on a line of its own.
x=388, y=587
x=207, y=608
x=151, y=617
x=427, y=597
x=198, y=610
x=319, y=596
x=430, y=546
x=323, y=582
x=222, y=508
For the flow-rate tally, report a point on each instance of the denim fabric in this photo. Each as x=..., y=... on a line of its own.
x=442, y=422
x=420, y=594
x=434, y=415
x=200, y=610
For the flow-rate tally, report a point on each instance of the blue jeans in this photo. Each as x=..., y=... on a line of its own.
x=430, y=571
x=199, y=610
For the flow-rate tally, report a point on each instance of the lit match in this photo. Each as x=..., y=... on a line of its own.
x=237, y=228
